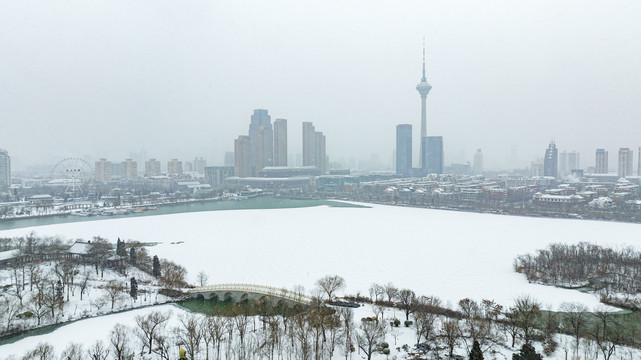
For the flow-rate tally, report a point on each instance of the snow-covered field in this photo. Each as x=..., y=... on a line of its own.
x=452, y=255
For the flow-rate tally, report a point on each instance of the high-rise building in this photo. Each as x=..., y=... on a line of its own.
x=280, y=142
x=5, y=170
x=321, y=156
x=174, y=167
x=128, y=169
x=262, y=141
x=152, y=168
x=568, y=161
x=103, y=170
x=625, y=162
x=199, y=165
x=478, y=162
x=433, y=157
x=601, y=166
x=403, y=149
x=423, y=89
x=216, y=175
x=314, y=151
x=551, y=161
x=639, y=164
x=242, y=156
x=229, y=158
x=309, y=144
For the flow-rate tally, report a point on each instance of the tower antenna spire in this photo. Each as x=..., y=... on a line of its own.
x=423, y=78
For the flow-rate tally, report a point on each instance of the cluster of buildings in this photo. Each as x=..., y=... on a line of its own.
x=431, y=147
x=564, y=164
x=265, y=148
x=106, y=170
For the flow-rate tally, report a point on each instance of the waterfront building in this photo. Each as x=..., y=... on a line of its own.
x=103, y=170
x=128, y=169
x=403, y=149
x=242, y=156
x=216, y=175
x=199, y=165
x=152, y=168
x=280, y=142
x=309, y=144
x=174, y=167
x=261, y=141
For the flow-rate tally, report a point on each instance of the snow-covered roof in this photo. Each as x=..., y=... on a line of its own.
x=79, y=247
x=9, y=254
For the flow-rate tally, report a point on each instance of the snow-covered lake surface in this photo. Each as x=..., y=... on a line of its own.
x=452, y=255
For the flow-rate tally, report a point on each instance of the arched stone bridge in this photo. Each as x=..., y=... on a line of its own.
x=249, y=292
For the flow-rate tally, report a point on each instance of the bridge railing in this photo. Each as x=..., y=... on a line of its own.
x=258, y=289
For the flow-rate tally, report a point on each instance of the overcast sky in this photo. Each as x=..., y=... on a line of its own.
x=181, y=78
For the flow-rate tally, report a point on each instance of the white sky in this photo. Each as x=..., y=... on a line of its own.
x=181, y=78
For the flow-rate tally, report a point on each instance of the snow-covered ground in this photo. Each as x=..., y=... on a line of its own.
x=452, y=255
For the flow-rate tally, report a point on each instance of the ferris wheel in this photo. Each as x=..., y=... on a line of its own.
x=71, y=172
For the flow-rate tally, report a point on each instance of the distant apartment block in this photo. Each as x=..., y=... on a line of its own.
x=216, y=175
x=5, y=170
x=128, y=169
x=174, y=167
x=625, y=162
x=152, y=168
x=280, y=142
x=199, y=165
x=601, y=166
x=242, y=157
x=478, y=162
x=103, y=170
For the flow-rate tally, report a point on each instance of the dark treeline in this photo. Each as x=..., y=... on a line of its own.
x=584, y=264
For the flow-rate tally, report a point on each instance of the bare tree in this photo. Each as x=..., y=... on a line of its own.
x=188, y=334
x=406, y=300
x=331, y=284
x=450, y=334
x=99, y=252
x=425, y=316
x=347, y=318
x=216, y=327
x=114, y=291
x=391, y=291
x=84, y=282
x=98, y=351
x=202, y=278
x=72, y=352
x=376, y=291
x=526, y=311
x=120, y=343
x=172, y=274
x=607, y=333
x=371, y=334
x=43, y=351
x=576, y=319
x=148, y=325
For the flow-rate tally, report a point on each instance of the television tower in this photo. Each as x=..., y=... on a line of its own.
x=423, y=89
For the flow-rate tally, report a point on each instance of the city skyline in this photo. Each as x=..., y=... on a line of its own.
x=506, y=77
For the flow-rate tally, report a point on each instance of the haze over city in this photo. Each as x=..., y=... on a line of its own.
x=176, y=80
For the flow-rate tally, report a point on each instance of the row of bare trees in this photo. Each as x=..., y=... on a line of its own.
x=584, y=264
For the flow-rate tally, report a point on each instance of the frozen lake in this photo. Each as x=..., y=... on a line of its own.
x=449, y=254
